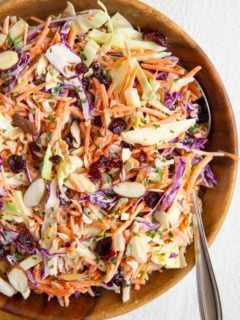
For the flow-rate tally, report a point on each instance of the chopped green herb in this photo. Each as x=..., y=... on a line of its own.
x=78, y=89
x=99, y=135
x=96, y=145
x=172, y=131
x=155, y=125
x=113, y=260
x=144, y=121
x=17, y=255
x=194, y=128
x=49, y=135
x=51, y=118
x=151, y=233
x=97, y=259
x=170, y=234
x=56, y=90
x=38, y=81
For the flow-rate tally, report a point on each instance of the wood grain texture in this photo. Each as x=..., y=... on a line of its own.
x=216, y=201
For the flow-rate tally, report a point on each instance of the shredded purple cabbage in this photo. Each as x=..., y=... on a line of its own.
x=45, y=272
x=168, y=198
x=31, y=278
x=173, y=255
x=12, y=260
x=190, y=142
x=171, y=99
x=104, y=199
x=1, y=205
x=162, y=76
x=150, y=225
x=27, y=248
x=8, y=236
x=208, y=177
x=27, y=174
x=65, y=31
x=54, y=23
x=84, y=101
x=77, y=294
x=174, y=59
x=190, y=108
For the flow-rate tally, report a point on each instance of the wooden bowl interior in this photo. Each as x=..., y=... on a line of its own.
x=222, y=137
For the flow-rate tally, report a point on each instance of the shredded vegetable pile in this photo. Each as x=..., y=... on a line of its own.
x=101, y=138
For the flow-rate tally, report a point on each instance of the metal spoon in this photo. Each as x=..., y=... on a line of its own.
x=208, y=295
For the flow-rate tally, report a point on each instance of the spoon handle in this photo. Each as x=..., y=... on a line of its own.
x=208, y=295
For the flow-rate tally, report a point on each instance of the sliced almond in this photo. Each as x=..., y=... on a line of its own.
x=34, y=193
x=8, y=59
x=6, y=288
x=18, y=279
x=126, y=154
x=3, y=38
x=75, y=131
x=26, y=293
x=25, y=124
x=129, y=189
x=81, y=182
x=126, y=294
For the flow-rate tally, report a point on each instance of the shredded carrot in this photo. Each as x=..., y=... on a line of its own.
x=161, y=68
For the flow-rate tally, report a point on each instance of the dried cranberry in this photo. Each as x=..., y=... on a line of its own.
x=142, y=156
x=55, y=159
x=16, y=163
x=152, y=199
x=25, y=239
x=94, y=173
x=98, y=73
x=119, y=280
x=162, y=76
x=69, y=141
x=155, y=36
x=117, y=125
x=97, y=121
x=102, y=162
x=81, y=68
x=105, y=162
x=2, y=251
x=104, y=247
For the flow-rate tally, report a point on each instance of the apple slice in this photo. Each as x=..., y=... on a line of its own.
x=157, y=134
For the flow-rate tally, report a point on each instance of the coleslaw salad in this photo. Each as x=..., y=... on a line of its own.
x=101, y=147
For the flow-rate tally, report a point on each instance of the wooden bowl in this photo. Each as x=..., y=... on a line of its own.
x=215, y=201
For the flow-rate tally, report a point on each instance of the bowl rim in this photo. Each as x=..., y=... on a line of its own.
x=141, y=7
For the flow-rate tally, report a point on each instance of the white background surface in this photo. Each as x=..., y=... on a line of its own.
x=215, y=26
